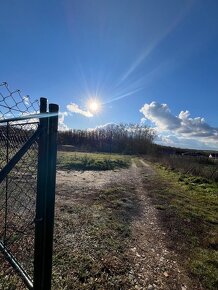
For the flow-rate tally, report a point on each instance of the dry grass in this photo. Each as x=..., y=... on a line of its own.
x=197, y=166
x=92, y=238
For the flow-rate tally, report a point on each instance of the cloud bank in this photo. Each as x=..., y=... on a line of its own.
x=74, y=108
x=181, y=129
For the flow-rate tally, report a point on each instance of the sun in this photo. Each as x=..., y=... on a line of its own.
x=94, y=106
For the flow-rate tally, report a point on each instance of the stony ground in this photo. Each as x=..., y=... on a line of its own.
x=145, y=256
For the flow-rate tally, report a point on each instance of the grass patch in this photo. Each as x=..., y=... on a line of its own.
x=205, y=265
x=91, y=161
x=189, y=210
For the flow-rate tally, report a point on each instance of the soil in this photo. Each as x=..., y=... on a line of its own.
x=154, y=265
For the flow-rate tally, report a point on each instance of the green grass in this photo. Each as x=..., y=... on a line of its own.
x=189, y=209
x=91, y=161
x=198, y=196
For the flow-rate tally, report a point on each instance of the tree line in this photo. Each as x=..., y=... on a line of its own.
x=117, y=138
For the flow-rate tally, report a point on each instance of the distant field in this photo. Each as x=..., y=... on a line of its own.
x=188, y=207
x=91, y=161
x=197, y=166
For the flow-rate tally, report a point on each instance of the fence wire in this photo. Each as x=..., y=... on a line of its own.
x=18, y=189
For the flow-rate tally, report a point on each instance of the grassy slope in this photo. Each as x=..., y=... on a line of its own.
x=188, y=206
x=91, y=161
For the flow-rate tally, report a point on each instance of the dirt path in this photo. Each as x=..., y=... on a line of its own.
x=156, y=266
x=153, y=266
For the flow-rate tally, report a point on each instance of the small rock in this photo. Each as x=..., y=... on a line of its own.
x=166, y=274
x=131, y=277
x=150, y=287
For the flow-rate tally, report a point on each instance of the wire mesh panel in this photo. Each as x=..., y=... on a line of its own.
x=17, y=189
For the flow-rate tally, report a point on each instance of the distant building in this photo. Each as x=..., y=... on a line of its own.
x=213, y=156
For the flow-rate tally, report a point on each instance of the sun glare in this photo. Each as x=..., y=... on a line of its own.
x=94, y=106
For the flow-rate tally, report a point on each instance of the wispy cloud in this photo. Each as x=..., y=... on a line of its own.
x=121, y=96
x=129, y=82
x=181, y=128
x=74, y=108
x=157, y=40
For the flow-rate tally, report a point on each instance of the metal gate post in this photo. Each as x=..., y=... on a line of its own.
x=50, y=193
x=45, y=202
x=39, y=255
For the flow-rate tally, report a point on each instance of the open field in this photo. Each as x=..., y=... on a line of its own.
x=110, y=231
x=123, y=222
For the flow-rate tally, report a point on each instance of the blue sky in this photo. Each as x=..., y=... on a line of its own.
x=144, y=61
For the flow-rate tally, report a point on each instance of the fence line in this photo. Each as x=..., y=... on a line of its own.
x=24, y=221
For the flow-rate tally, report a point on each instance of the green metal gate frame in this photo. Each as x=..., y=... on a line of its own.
x=46, y=136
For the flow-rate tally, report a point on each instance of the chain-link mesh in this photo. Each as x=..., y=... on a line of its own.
x=18, y=189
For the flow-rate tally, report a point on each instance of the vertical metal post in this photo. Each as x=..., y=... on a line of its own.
x=50, y=194
x=45, y=202
x=39, y=254
x=6, y=185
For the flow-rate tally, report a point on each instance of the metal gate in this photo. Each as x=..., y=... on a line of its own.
x=28, y=133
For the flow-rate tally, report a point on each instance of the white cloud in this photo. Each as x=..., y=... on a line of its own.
x=74, y=108
x=61, y=125
x=26, y=100
x=160, y=115
x=182, y=129
x=107, y=126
